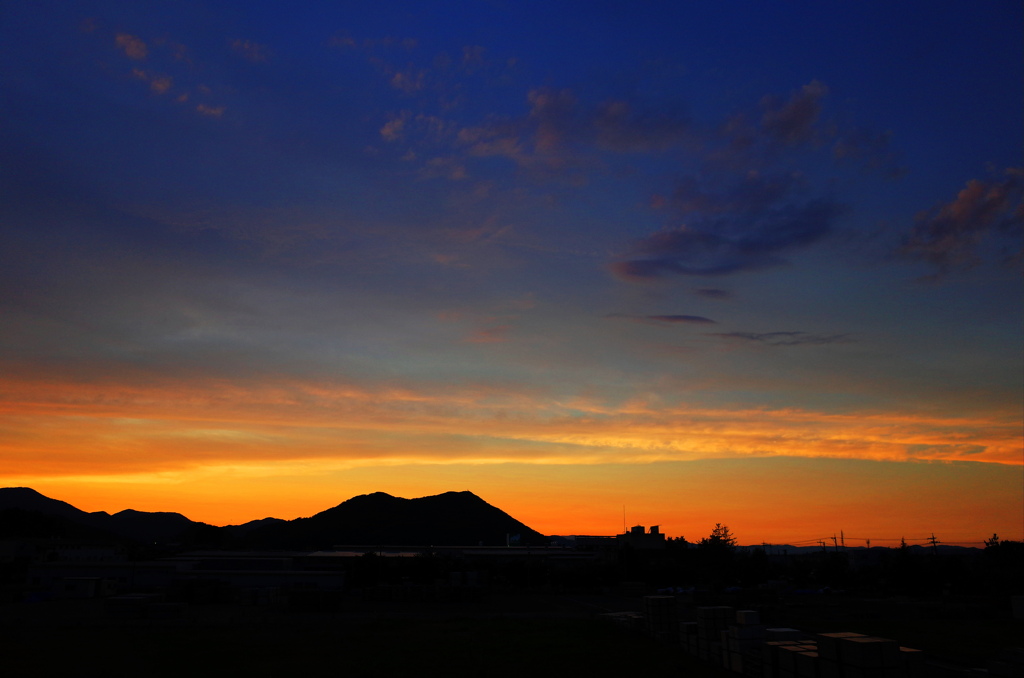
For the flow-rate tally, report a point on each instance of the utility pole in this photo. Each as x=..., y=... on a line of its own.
x=835, y=543
x=935, y=544
x=842, y=539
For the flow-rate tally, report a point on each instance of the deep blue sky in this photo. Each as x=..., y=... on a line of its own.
x=496, y=236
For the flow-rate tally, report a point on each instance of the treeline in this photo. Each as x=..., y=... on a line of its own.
x=715, y=563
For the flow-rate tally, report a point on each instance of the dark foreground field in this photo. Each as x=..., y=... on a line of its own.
x=490, y=635
x=499, y=639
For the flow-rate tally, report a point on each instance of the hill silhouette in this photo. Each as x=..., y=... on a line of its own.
x=378, y=519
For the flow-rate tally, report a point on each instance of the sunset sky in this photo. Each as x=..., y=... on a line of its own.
x=747, y=262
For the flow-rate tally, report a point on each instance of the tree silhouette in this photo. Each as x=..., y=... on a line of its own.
x=715, y=557
x=720, y=537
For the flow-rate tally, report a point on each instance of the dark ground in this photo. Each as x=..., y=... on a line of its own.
x=499, y=636
x=492, y=635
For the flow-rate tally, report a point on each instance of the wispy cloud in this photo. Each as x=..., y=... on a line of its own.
x=745, y=209
x=713, y=293
x=154, y=426
x=666, y=319
x=784, y=338
x=739, y=240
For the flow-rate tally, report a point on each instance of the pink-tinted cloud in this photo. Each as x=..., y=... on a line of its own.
x=619, y=128
x=133, y=47
x=211, y=111
x=552, y=112
x=494, y=334
x=953, y=235
x=160, y=84
x=408, y=81
x=792, y=121
x=394, y=129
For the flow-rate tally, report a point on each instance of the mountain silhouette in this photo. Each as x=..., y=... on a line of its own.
x=449, y=519
x=23, y=507
x=378, y=519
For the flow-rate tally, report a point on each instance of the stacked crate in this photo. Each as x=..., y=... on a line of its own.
x=779, y=658
x=854, y=655
x=830, y=649
x=662, y=617
x=712, y=622
x=913, y=664
x=871, y=657
x=743, y=641
x=1009, y=664
x=688, y=638
x=628, y=621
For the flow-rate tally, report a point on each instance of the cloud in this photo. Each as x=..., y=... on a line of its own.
x=394, y=128
x=133, y=47
x=681, y=319
x=553, y=114
x=559, y=134
x=153, y=424
x=473, y=58
x=953, y=235
x=619, y=128
x=792, y=121
x=210, y=111
x=784, y=338
x=409, y=81
x=713, y=293
x=448, y=168
x=665, y=319
x=495, y=334
x=252, y=51
x=729, y=243
x=751, y=192
x=160, y=84
x=871, y=148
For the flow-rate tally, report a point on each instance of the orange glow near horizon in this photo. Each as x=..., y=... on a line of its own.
x=224, y=454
